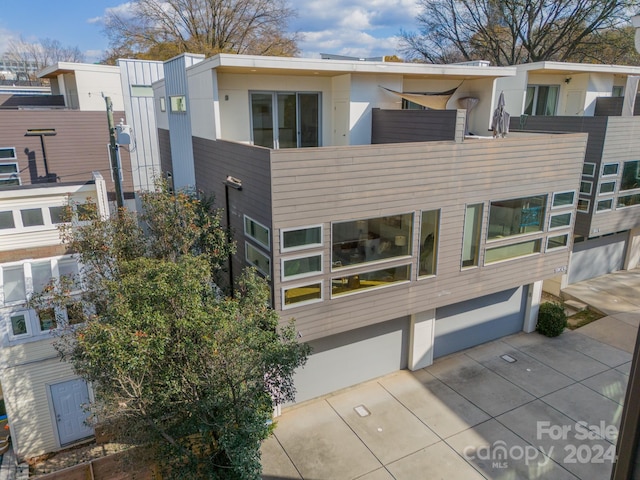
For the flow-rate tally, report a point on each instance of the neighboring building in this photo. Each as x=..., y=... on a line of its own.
x=84, y=86
x=566, y=97
x=387, y=234
x=43, y=397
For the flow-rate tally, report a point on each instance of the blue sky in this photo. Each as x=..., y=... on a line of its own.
x=361, y=28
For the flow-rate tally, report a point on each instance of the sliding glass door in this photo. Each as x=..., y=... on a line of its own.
x=296, y=115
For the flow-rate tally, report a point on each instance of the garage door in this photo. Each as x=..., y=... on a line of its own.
x=353, y=357
x=480, y=320
x=597, y=256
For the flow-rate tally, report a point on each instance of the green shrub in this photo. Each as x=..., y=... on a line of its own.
x=551, y=319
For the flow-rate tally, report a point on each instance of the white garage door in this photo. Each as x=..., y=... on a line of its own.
x=353, y=357
x=597, y=256
x=480, y=320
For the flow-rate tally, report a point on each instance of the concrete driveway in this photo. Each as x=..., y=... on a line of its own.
x=552, y=413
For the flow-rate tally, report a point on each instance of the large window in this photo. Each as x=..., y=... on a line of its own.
x=541, y=100
x=515, y=250
x=630, y=175
x=258, y=232
x=285, y=119
x=517, y=216
x=628, y=200
x=369, y=280
x=301, y=295
x=429, y=242
x=471, y=235
x=371, y=239
x=300, y=238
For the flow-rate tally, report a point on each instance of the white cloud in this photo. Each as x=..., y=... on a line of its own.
x=124, y=9
x=362, y=28
x=6, y=36
x=93, y=56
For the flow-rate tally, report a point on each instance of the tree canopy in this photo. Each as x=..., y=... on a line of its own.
x=510, y=32
x=177, y=368
x=42, y=53
x=160, y=29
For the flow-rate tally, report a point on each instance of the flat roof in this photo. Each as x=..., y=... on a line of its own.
x=569, y=68
x=229, y=63
x=72, y=67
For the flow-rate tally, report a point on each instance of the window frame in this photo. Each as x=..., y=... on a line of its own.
x=174, y=106
x=309, y=246
x=566, y=205
x=586, y=182
x=13, y=157
x=255, y=239
x=27, y=318
x=285, y=278
x=370, y=289
x=620, y=197
x=163, y=104
x=547, y=248
x=436, y=243
x=588, y=209
x=604, y=200
x=609, y=164
x=609, y=182
x=534, y=101
x=284, y=306
x=476, y=235
x=593, y=169
x=488, y=249
x=247, y=246
x=147, y=89
x=558, y=214
x=376, y=261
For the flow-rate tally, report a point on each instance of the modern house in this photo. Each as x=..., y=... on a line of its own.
x=386, y=232
x=43, y=397
x=83, y=87
x=566, y=97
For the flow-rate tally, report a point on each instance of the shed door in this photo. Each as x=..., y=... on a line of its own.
x=68, y=400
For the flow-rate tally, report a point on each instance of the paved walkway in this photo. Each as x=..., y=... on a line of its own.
x=474, y=415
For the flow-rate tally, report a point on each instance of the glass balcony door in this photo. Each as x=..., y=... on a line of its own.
x=296, y=116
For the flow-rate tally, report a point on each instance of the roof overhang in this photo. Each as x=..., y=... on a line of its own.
x=249, y=64
x=562, y=68
x=62, y=68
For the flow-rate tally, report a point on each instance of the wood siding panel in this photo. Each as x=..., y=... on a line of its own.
x=214, y=161
x=612, y=106
x=324, y=185
x=622, y=144
x=78, y=148
x=397, y=126
x=596, y=127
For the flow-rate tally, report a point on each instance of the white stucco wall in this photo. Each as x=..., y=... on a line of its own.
x=204, y=101
x=92, y=85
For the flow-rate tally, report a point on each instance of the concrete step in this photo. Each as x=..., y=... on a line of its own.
x=575, y=305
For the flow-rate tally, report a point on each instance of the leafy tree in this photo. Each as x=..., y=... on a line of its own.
x=43, y=53
x=509, y=32
x=176, y=367
x=161, y=29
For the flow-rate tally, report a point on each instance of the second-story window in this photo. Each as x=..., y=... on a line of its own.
x=541, y=100
x=285, y=119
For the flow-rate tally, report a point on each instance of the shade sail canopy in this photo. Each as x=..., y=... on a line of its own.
x=434, y=100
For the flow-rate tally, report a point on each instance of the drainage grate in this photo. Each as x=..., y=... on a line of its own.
x=508, y=358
